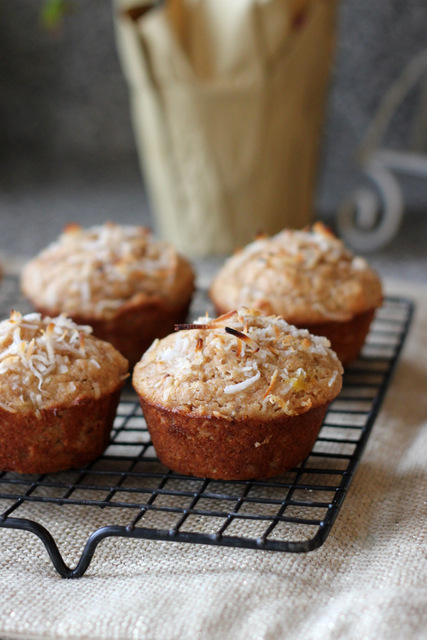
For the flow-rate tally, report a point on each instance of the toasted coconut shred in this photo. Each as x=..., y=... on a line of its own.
x=93, y=272
x=43, y=360
x=280, y=369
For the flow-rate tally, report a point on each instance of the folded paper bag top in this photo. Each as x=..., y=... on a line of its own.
x=223, y=39
x=227, y=100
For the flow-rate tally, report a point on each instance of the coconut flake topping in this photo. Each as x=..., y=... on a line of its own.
x=100, y=268
x=33, y=349
x=304, y=275
x=240, y=358
x=40, y=345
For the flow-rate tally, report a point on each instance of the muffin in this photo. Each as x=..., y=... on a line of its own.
x=129, y=287
x=309, y=278
x=237, y=397
x=59, y=390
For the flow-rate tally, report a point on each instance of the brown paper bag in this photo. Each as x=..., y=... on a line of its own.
x=227, y=100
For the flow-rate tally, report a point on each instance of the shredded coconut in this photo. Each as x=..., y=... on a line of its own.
x=306, y=276
x=37, y=355
x=240, y=386
x=282, y=369
x=95, y=271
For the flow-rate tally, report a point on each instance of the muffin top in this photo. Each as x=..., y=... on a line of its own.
x=95, y=272
x=238, y=366
x=305, y=276
x=51, y=362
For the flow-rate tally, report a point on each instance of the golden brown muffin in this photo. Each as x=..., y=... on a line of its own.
x=241, y=396
x=129, y=287
x=59, y=390
x=309, y=278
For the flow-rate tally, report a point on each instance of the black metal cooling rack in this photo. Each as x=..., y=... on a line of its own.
x=127, y=493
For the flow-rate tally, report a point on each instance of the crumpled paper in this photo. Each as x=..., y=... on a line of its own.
x=227, y=101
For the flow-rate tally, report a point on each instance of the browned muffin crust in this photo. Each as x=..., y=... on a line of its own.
x=59, y=389
x=57, y=439
x=308, y=277
x=231, y=449
x=239, y=396
x=128, y=286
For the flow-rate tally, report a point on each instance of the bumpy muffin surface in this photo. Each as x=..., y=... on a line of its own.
x=52, y=362
x=306, y=276
x=94, y=273
x=238, y=366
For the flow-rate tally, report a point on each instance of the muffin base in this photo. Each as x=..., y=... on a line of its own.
x=346, y=338
x=221, y=449
x=62, y=438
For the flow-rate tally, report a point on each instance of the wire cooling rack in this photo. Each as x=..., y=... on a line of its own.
x=128, y=493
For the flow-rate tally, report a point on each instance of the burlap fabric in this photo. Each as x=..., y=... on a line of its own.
x=367, y=581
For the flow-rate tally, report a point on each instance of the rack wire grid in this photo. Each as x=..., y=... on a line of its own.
x=128, y=493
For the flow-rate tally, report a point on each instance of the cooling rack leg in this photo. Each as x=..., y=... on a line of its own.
x=44, y=535
x=52, y=549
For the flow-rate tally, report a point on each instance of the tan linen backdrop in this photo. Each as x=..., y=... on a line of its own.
x=227, y=101
x=369, y=579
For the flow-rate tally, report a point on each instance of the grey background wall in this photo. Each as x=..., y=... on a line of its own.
x=66, y=143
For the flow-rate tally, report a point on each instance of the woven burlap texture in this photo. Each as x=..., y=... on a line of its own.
x=367, y=581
